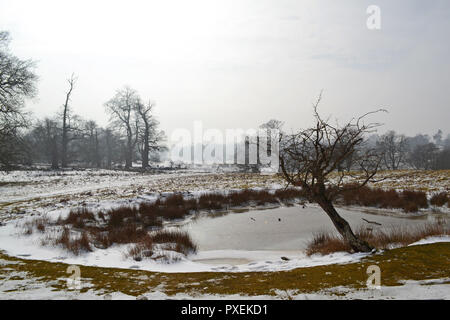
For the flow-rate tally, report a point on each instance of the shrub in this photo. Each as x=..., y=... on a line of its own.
x=439, y=199
x=417, y=197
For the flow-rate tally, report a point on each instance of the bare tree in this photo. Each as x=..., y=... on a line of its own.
x=112, y=147
x=65, y=124
x=438, y=137
x=424, y=156
x=89, y=145
x=149, y=137
x=122, y=110
x=309, y=158
x=394, y=149
x=45, y=138
x=17, y=83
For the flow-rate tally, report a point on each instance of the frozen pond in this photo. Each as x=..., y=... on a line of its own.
x=281, y=229
x=256, y=240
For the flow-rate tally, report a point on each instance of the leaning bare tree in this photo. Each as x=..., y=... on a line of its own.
x=310, y=159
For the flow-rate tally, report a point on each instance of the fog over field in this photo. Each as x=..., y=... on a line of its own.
x=230, y=64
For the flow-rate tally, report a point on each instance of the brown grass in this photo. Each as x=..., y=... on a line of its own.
x=142, y=249
x=212, y=201
x=78, y=218
x=409, y=201
x=39, y=223
x=182, y=240
x=242, y=197
x=326, y=243
x=439, y=199
x=289, y=194
x=123, y=225
x=131, y=224
x=77, y=245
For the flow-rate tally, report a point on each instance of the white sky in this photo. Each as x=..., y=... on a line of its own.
x=239, y=63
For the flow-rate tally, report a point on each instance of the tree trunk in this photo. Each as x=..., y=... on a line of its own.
x=65, y=140
x=129, y=148
x=128, y=159
x=146, y=146
x=64, y=145
x=344, y=228
x=97, y=152
x=145, y=155
x=54, y=151
x=108, y=149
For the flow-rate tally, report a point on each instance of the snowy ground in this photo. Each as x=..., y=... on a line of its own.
x=237, y=242
x=248, y=241
x=29, y=194
x=437, y=289
x=13, y=243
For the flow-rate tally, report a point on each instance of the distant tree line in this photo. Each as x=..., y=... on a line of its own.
x=397, y=151
x=66, y=139
x=418, y=152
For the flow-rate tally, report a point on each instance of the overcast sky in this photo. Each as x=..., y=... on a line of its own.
x=239, y=63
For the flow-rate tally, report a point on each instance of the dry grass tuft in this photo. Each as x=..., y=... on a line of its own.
x=182, y=240
x=326, y=243
x=77, y=245
x=142, y=249
x=178, y=241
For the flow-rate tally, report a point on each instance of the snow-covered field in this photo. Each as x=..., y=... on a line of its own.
x=247, y=245
x=436, y=289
